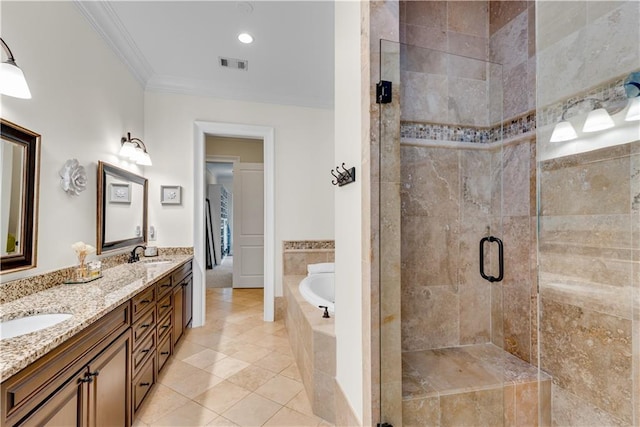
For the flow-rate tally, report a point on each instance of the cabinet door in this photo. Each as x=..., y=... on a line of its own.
x=110, y=396
x=178, y=307
x=64, y=408
x=187, y=315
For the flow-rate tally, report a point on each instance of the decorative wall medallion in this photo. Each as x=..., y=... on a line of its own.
x=73, y=177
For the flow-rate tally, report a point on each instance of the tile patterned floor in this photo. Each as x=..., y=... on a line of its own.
x=235, y=371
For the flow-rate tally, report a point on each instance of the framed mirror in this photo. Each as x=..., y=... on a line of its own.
x=122, y=208
x=20, y=159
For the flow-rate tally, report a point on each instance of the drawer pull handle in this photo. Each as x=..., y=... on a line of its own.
x=168, y=285
x=165, y=326
x=145, y=325
x=145, y=384
x=145, y=350
x=145, y=301
x=165, y=306
x=164, y=353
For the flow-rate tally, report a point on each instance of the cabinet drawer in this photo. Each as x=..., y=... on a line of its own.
x=143, y=301
x=143, y=351
x=164, y=327
x=181, y=272
x=164, y=306
x=143, y=326
x=163, y=286
x=164, y=352
x=143, y=382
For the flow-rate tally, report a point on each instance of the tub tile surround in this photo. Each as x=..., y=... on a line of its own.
x=87, y=302
x=313, y=344
x=12, y=290
x=311, y=336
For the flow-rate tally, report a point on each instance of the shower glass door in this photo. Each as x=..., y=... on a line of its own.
x=455, y=205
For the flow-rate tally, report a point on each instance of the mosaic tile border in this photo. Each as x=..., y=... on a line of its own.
x=15, y=289
x=440, y=132
x=288, y=245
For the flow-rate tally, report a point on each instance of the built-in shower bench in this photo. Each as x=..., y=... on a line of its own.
x=472, y=386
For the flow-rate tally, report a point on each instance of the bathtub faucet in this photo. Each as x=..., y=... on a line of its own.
x=326, y=311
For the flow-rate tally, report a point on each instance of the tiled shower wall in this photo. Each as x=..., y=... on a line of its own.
x=451, y=198
x=589, y=223
x=454, y=196
x=465, y=89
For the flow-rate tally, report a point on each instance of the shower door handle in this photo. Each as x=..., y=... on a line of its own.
x=492, y=239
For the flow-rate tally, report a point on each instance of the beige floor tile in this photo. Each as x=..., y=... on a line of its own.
x=253, y=410
x=280, y=389
x=191, y=414
x=275, y=361
x=289, y=417
x=139, y=423
x=227, y=367
x=301, y=403
x=222, y=422
x=222, y=396
x=186, y=349
x=175, y=371
x=194, y=385
x=204, y=358
x=160, y=402
x=292, y=372
x=250, y=353
x=251, y=377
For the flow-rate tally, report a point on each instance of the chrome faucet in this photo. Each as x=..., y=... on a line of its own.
x=133, y=257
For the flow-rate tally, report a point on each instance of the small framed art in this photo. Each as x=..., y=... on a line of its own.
x=170, y=194
x=120, y=192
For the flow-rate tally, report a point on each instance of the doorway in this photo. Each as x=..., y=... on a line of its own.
x=201, y=130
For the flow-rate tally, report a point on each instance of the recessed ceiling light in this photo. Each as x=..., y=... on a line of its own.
x=245, y=38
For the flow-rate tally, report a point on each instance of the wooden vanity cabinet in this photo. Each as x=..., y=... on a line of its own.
x=84, y=382
x=182, y=300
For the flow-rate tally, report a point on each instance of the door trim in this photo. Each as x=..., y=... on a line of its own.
x=266, y=133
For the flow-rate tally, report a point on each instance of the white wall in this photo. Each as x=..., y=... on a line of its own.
x=303, y=153
x=84, y=101
x=348, y=205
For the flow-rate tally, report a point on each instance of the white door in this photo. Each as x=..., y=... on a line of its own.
x=248, y=225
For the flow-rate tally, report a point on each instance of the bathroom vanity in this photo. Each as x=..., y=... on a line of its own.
x=97, y=367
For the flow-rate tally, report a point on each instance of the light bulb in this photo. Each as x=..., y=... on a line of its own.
x=598, y=120
x=633, y=113
x=563, y=131
x=12, y=81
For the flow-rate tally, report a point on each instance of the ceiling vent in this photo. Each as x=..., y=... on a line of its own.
x=236, y=64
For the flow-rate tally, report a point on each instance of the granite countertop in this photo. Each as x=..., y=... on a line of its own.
x=87, y=302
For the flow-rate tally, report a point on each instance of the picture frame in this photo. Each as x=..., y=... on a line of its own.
x=120, y=192
x=170, y=194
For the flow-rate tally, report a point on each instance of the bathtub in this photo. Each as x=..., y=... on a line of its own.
x=319, y=289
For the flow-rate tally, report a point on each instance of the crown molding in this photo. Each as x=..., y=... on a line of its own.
x=107, y=24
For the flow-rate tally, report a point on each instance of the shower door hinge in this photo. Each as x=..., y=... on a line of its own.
x=383, y=95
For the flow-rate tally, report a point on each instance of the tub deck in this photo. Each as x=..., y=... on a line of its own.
x=473, y=385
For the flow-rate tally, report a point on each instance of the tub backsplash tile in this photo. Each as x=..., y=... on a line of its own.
x=19, y=288
x=298, y=254
x=308, y=244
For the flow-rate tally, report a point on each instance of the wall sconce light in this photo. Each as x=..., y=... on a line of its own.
x=597, y=119
x=135, y=150
x=12, y=81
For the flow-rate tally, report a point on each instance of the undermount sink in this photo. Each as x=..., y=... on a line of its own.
x=24, y=325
